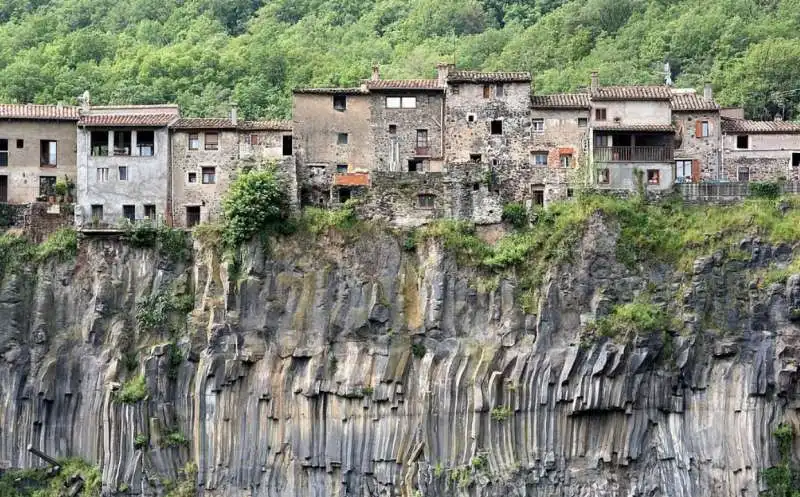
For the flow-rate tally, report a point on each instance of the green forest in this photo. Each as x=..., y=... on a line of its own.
x=202, y=54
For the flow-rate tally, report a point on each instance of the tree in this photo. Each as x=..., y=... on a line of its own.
x=255, y=203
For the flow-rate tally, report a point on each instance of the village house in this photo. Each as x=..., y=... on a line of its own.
x=123, y=163
x=698, y=136
x=37, y=149
x=207, y=153
x=760, y=150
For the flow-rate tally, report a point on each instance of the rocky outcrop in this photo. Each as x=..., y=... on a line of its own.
x=353, y=367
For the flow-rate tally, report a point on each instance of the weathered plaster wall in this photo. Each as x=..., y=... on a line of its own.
x=634, y=112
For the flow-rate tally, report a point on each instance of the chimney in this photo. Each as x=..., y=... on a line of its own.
x=595, y=80
x=708, y=92
x=442, y=71
x=85, y=101
x=376, y=73
x=234, y=114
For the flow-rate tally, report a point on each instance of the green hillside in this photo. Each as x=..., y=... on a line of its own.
x=203, y=53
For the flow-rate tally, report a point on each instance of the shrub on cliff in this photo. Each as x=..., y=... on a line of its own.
x=515, y=214
x=62, y=244
x=256, y=203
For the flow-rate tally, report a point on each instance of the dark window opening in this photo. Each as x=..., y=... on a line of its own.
x=99, y=140
x=499, y=91
x=570, y=193
x=212, y=141
x=3, y=152
x=123, y=173
x=48, y=153
x=122, y=143
x=192, y=216
x=341, y=168
x=742, y=141
x=194, y=141
x=602, y=176
x=129, y=212
x=344, y=195
x=287, y=145
x=414, y=165
x=3, y=189
x=475, y=158
x=340, y=102
x=539, y=158
x=192, y=177
x=600, y=114
x=538, y=194
x=744, y=174
x=582, y=122
x=150, y=211
x=97, y=212
x=454, y=89
x=392, y=129
x=20, y=143
x=795, y=159
x=476, y=187
x=487, y=91
x=209, y=175
x=494, y=162
x=471, y=118
x=497, y=127
x=146, y=143
x=47, y=185
x=341, y=138
x=653, y=177
x=426, y=201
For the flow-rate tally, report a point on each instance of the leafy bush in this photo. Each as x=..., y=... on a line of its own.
x=515, y=214
x=256, y=202
x=62, y=245
x=61, y=187
x=317, y=221
x=767, y=190
x=175, y=439
x=501, y=413
x=140, y=441
x=133, y=391
x=631, y=319
x=418, y=350
x=153, y=310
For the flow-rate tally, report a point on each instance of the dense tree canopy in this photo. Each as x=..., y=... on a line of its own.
x=204, y=53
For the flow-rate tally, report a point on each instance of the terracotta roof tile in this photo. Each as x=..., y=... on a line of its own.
x=560, y=101
x=662, y=128
x=742, y=126
x=266, y=125
x=203, y=123
x=631, y=93
x=154, y=120
x=403, y=84
x=332, y=91
x=488, y=77
x=34, y=111
x=692, y=101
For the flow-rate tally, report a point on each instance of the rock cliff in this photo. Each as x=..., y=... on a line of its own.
x=352, y=366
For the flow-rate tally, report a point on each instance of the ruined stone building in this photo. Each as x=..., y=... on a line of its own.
x=207, y=153
x=123, y=163
x=37, y=148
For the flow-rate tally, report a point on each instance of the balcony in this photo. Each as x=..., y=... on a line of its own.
x=422, y=152
x=633, y=154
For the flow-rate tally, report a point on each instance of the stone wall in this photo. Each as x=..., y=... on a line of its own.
x=768, y=157
x=706, y=150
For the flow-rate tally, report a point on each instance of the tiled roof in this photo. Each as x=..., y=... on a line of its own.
x=488, y=77
x=403, y=84
x=203, y=123
x=266, y=125
x=742, y=126
x=33, y=111
x=631, y=93
x=331, y=91
x=155, y=120
x=561, y=101
x=691, y=101
x=662, y=128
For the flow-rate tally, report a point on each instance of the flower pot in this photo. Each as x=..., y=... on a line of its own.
x=51, y=199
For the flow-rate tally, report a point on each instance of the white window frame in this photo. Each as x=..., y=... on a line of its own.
x=536, y=155
x=537, y=126
x=681, y=168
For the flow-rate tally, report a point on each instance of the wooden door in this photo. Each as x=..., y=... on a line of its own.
x=695, y=171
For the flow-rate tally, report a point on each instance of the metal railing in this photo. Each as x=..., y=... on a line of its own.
x=726, y=192
x=633, y=154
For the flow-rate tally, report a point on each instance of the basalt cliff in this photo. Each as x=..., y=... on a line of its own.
x=335, y=366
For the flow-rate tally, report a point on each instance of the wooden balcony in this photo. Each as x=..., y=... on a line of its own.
x=633, y=154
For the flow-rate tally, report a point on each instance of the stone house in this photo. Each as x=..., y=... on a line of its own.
x=698, y=136
x=206, y=153
x=123, y=163
x=37, y=148
x=760, y=150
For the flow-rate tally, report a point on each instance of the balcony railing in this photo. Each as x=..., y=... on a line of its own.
x=633, y=154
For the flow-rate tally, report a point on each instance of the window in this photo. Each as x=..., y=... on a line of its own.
x=499, y=90
x=476, y=158
x=102, y=174
x=683, y=170
x=129, y=212
x=194, y=141
x=47, y=185
x=48, y=153
x=414, y=165
x=471, y=118
x=653, y=177
x=341, y=168
x=603, y=177
x=20, y=143
x=538, y=125
x=209, y=175
x=566, y=160
x=149, y=211
x=537, y=191
x=123, y=173
x=192, y=216
x=602, y=140
x=742, y=141
x=422, y=138
x=795, y=159
x=744, y=174
x=702, y=129
x=392, y=129
x=341, y=138
x=401, y=102
x=254, y=140
x=454, y=89
x=539, y=158
x=212, y=141
x=496, y=127
x=487, y=91
x=340, y=102
x=145, y=143
x=344, y=195
x=600, y=114
x=582, y=122
x=99, y=142
x=97, y=212
x=425, y=201
x=3, y=152
x=122, y=143
x=286, y=145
